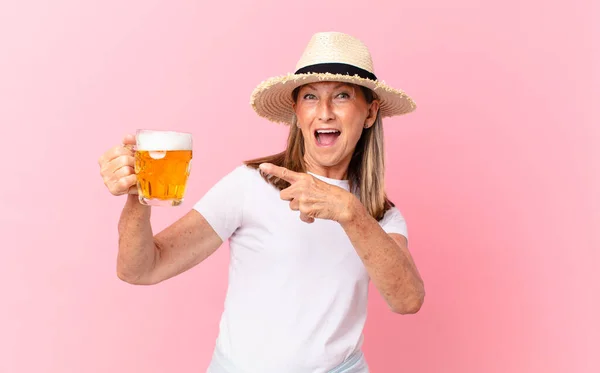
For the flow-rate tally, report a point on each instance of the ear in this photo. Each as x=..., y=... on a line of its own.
x=295, y=114
x=372, y=113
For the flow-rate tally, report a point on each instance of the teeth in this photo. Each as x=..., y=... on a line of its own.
x=320, y=132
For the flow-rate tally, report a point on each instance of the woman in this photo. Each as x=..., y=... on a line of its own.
x=308, y=228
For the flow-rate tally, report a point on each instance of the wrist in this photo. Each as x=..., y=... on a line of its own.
x=132, y=198
x=354, y=211
x=133, y=202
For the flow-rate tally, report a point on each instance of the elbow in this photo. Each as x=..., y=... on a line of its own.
x=135, y=274
x=127, y=277
x=410, y=305
x=133, y=278
x=407, y=309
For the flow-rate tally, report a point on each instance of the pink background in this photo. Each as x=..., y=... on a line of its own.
x=496, y=172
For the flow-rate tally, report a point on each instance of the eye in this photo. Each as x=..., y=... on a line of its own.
x=343, y=95
x=309, y=96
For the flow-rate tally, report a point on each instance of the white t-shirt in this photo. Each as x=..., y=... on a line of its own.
x=297, y=293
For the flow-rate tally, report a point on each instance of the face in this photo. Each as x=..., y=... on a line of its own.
x=332, y=117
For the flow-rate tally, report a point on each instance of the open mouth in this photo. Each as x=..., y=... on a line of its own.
x=327, y=137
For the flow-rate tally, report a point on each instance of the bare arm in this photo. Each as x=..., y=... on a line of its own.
x=385, y=256
x=146, y=259
x=387, y=260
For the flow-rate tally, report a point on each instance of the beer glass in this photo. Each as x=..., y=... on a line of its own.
x=162, y=165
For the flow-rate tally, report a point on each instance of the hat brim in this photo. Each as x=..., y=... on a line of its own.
x=272, y=99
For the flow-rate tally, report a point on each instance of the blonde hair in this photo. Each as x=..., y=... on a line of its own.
x=366, y=172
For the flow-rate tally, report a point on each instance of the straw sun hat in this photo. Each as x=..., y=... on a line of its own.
x=329, y=56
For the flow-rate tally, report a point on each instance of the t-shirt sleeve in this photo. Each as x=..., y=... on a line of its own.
x=393, y=222
x=223, y=205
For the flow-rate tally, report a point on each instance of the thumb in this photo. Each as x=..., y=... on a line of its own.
x=307, y=219
x=129, y=139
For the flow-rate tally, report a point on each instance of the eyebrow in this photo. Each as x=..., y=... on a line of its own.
x=341, y=84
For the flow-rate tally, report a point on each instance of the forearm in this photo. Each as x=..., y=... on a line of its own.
x=388, y=263
x=137, y=250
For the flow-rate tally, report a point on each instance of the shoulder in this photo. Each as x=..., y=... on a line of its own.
x=223, y=205
x=393, y=222
x=242, y=176
x=243, y=173
x=393, y=213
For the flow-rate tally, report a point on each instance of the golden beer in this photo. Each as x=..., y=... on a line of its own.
x=162, y=165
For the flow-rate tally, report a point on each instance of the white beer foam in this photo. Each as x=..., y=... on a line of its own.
x=157, y=154
x=162, y=141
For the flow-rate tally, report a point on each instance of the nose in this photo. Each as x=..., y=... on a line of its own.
x=325, y=111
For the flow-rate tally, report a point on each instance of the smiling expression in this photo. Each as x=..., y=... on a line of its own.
x=332, y=117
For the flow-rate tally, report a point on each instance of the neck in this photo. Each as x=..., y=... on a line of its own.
x=337, y=172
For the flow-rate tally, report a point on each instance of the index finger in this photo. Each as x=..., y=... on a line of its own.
x=280, y=172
